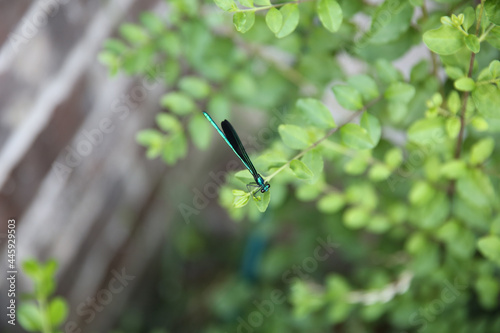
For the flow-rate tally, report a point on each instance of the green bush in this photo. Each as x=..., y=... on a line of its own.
x=405, y=187
x=38, y=312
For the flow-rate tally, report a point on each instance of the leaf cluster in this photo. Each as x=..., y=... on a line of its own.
x=406, y=183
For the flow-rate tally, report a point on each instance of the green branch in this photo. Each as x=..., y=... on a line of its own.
x=486, y=32
x=314, y=145
x=458, y=147
x=482, y=83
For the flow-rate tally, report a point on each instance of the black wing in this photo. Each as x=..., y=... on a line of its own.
x=235, y=141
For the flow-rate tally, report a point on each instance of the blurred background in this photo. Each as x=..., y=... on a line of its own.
x=78, y=184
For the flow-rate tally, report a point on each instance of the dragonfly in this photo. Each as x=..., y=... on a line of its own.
x=231, y=137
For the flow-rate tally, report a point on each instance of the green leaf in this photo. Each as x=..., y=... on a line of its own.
x=420, y=72
x=313, y=159
x=115, y=46
x=472, y=43
x=219, y=106
x=365, y=85
x=178, y=103
x=475, y=187
x=454, y=169
x=151, y=139
x=416, y=243
x=454, y=73
x=337, y=288
x=301, y=170
x=57, y=311
x=331, y=203
x=330, y=14
x=246, y=3
x=387, y=72
x=372, y=126
x=356, y=217
x=348, y=97
x=379, y=172
x=308, y=192
x=397, y=111
x=494, y=37
x=486, y=97
x=201, y=131
x=226, y=5
x=174, y=148
x=492, y=9
x=393, y=158
x=262, y=2
x=453, y=102
x=465, y=84
x=421, y=193
x=244, y=176
x=240, y=201
x=489, y=246
x=172, y=71
x=30, y=317
x=357, y=165
x=390, y=21
x=481, y=151
x=453, y=127
x=196, y=87
x=170, y=43
x=480, y=124
x=243, y=85
x=379, y=224
x=494, y=69
x=239, y=193
x=469, y=17
x=168, y=123
x=495, y=226
x=294, y=136
x=274, y=20
x=291, y=17
x=243, y=21
x=304, y=299
x=356, y=137
x=426, y=130
x=152, y=22
x=317, y=112
x=487, y=288
x=264, y=201
x=133, y=33
x=444, y=40
x=399, y=92
x=362, y=194
x=32, y=268
x=111, y=60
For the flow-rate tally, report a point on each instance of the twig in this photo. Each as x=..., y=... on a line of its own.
x=314, y=145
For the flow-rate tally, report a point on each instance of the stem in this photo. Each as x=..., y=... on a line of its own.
x=485, y=34
x=480, y=83
x=346, y=151
x=330, y=132
x=458, y=147
x=44, y=314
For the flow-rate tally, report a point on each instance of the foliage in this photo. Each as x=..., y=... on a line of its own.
x=416, y=220
x=40, y=312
